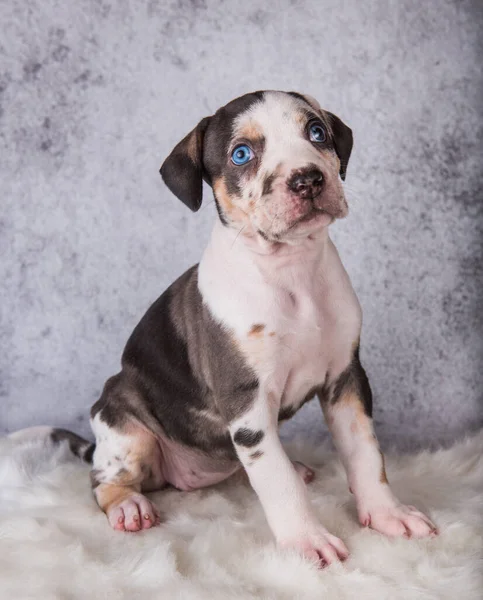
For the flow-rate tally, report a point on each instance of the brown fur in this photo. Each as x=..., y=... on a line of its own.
x=361, y=423
x=256, y=330
x=230, y=210
x=109, y=495
x=134, y=472
x=250, y=131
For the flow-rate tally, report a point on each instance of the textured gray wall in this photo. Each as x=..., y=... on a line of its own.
x=93, y=95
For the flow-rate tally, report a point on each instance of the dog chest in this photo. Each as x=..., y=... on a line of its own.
x=292, y=336
x=313, y=343
x=295, y=318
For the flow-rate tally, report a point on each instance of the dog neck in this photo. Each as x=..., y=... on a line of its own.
x=293, y=258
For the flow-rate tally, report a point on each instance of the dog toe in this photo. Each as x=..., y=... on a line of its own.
x=133, y=514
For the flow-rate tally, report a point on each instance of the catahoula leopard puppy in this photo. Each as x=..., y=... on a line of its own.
x=266, y=321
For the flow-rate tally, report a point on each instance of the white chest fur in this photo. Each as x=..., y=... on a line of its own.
x=293, y=312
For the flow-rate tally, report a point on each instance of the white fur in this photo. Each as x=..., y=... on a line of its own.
x=286, y=146
x=216, y=545
x=282, y=121
x=302, y=296
x=301, y=293
x=299, y=298
x=112, y=452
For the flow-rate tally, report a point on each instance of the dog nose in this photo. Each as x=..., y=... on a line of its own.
x=306, y=183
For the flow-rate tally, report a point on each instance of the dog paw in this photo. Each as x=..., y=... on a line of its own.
x=318, y=546
x=398, y=520
x=305, y=472
x=133, y=514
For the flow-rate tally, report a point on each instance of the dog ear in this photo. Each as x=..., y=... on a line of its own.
x=342, y=141
x=183, y=170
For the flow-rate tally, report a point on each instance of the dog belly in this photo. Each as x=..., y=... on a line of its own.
x=188, y=469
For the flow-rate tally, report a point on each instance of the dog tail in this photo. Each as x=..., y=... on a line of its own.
x=79, y=446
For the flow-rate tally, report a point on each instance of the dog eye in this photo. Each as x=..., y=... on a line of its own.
x=241, y=155
x=317, y=132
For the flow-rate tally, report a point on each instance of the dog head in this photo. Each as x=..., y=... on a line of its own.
x=273, y=160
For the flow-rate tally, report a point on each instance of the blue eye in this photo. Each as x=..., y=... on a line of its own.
x=241, y=155
x=317, y=133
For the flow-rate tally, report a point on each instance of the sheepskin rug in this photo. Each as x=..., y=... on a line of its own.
x=215, y=544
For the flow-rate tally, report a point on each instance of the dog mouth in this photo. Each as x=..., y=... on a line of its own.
x=296, y=217
x=313, y=214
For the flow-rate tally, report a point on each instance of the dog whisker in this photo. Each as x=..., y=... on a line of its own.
x=207, y=204
x=236, y=237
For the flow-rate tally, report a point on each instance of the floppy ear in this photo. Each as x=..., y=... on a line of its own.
x=182, y=171
x=342, y=141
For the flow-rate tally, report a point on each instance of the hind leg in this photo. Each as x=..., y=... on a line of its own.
x=125, y=508
x=127, y=460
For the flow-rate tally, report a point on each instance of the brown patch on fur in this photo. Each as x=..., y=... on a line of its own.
x=362, y=424
x=251, y=131
x=222, y=195
x=256, y=454
x=230, y=210
x=272, y=333
x=108, y=495
x=348, y=396
x=383, y=476
x=301, y=118
x=253, y=345
x=256, y=330
x=134, y=467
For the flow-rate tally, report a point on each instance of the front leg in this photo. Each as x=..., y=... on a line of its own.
x=348, y=412
x=279, y=486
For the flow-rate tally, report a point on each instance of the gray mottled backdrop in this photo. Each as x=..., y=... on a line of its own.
x=94, y=94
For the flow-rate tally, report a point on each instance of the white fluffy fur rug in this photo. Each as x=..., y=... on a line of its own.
x=215, y=543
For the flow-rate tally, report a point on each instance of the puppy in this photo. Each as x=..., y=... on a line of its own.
x=267, y=321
